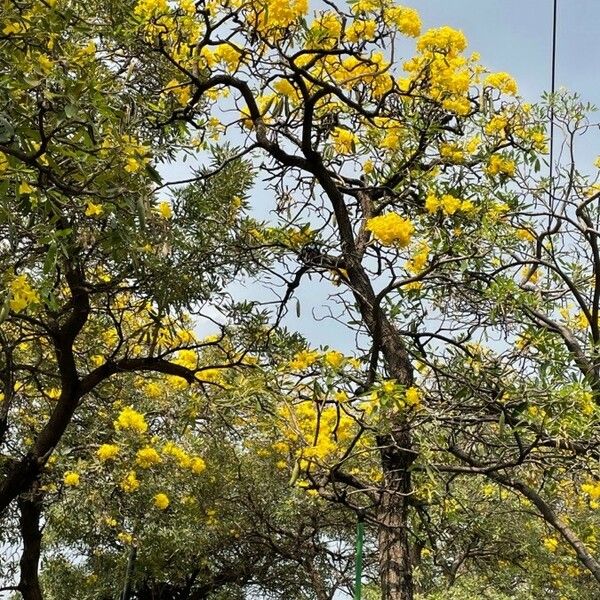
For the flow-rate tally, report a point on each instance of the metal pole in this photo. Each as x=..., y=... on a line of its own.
x=360, y=534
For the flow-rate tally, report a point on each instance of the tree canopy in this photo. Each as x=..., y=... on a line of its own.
x=172, y=174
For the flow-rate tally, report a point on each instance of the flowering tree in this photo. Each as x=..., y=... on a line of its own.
x=395, y=166
x=104, y=268
x=411, y=184
x=167, y=489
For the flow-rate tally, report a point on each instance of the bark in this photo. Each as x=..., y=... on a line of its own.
x=395, y=552
x=30, y=509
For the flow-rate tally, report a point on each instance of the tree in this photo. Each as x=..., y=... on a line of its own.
x=361, y=153
x=202, y=514
x=98, y=268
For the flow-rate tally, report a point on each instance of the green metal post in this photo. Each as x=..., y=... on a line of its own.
x=360, y=534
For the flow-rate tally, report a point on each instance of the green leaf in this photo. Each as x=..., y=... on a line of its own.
x=70, y=111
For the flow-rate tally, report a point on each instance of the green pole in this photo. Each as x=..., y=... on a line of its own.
x=360, y=534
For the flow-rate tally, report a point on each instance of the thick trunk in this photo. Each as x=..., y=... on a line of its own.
x=395, y=554
x=30, y=508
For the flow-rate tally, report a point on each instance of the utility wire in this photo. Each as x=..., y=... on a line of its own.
x=552, y=92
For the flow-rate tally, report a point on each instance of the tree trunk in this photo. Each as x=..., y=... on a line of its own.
x=395, y=555
x=30, y=509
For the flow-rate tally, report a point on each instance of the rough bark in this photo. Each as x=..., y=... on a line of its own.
x=30, y=511
x=395, y=563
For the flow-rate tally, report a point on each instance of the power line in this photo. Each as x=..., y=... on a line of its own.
x=552, y=92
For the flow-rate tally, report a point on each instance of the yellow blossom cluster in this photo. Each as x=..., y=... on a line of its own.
x=500, y=165
x=325, y=30
x=180, y=91
x=443, y=40
x=285, y=88
x=187, y=358
x=161, y=501
x=402, y=397
x=448, y=204
x=406, y=20
x=453, y=152
x=107, y=452
x=361, y=30
x=94, y=210
x=271, y=15
x=135, y=153
x=550, y=543
x=592, y=490
x=22, y=294
x=147, y=457
x=369, y=71
x=183, y=459
x=334, y=359
x=129, y=418
x=71, y=478
x=317, y=433
x=525, y=234
x=441, y=71
x=418, y=261
x=344, y=141
x=391, y=229
x=303, y=360
x=502, y=82
x=130, y=482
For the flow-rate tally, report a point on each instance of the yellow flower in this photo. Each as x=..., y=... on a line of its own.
x=107, y=452
x=274, y=14
x=500, y=165
x=197, y=465
x=125, y=537
x=460, y=106
x=406, y=20
x=361, y=31
x=147, y=457
x=449, y=204
x=344, y=141
x=334, y=358
x=131, y=419
x=14, y=27
x=304, y=359
x=414, y=396
x=285, y=88
x=503, y=82
x=161, y=501
x=21, y=294
x=550, y=543
x=452, y=152
x=525, y=234
x=164, y=210
x=25, y=188
x=444, y=40
x=130, y=482
x=391, y=229
x=71, y=478
x=179, y=454
x=93, y=210
x=592, y=490
x=45, y=63
x=497, y=125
